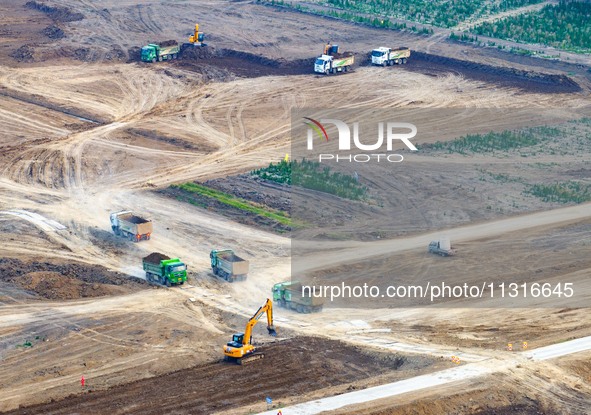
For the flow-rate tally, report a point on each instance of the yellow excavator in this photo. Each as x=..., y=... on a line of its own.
x=240, y=349
x=196, y=37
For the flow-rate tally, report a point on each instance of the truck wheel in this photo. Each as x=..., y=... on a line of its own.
x=174, y=56
x=403, y=61
x=168, y=284
x=326, y=72
x=299, y=308
x=159, y=58
x=153, y=60
x=215, y=270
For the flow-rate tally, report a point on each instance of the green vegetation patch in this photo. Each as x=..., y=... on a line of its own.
x=443, y=13
x=563, y=192
x=493, y=141
x=312, y=175
x=565, y=26
x=238, y=203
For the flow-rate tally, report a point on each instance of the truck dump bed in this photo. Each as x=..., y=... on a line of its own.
x=155, y=258
x=236, y=264
x=226, y=264
x=295, y=291
x=342, y=55
x=140, y=225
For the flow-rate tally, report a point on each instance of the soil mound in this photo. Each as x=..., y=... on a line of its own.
x=242, y=63
x=23, y=54
x=509, y=77
x=53, y=32
x=67, y=281
x=57, y=14
x=55, y=286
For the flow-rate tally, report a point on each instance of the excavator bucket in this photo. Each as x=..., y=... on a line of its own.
x=272, y=331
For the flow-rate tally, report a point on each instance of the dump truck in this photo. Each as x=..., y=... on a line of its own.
x=289, y=295
x=226, y=264
x=388, y=56
x=171, y=49
x=164, y=270
x=441, y=247
x=332, y=61
x=133, y=227
x=240, y=349
x=160, y=51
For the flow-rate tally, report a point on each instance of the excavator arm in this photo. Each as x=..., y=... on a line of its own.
x=196, y=37
x=266, y=308
x=240, y=349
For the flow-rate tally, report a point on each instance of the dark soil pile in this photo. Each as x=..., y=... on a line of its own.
x=291, y=367
x=67, y=281
x=57, y=14
x=53, y=32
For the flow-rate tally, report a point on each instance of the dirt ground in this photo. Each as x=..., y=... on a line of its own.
x=329, y=365
x=89, y=130
x=66, y=281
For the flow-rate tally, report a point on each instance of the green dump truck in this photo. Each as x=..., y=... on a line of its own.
x=226, y=264
x=289, y=295
x=164, y=270
x=160, y=52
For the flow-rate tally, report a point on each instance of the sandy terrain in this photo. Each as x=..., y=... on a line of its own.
x=86, y=132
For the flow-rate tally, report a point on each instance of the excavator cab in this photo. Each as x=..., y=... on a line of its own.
x=236, y=340
x=197, y=37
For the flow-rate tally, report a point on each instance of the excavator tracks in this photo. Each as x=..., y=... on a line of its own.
x=250, y=358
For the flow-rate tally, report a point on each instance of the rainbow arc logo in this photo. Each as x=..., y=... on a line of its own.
x=318, y=128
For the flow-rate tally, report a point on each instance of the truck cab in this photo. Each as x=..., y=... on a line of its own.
x=380, y=56
x=384, y=56
x=323, y=64
x=115, y=218
x=175, y=271
x=149, y=53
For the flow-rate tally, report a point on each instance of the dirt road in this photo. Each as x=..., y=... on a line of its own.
x=462, y=374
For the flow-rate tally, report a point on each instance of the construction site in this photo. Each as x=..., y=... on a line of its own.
x=154, y=215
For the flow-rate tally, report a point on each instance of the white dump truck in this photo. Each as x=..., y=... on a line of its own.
x=128, y=225
x=388, y=56
x=332, y=61
x=441, y=247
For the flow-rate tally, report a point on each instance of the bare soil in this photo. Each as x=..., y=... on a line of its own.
x=477, y=400
x=236, y=214
x=530, y=81
x=66, y=281
x=291, y=369
x=86, y=133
